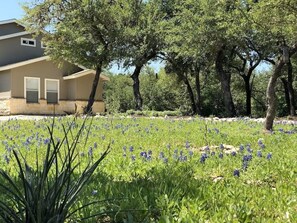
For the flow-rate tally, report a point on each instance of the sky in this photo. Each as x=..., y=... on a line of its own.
x=11, y=9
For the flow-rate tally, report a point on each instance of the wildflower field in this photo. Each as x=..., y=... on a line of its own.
x=166, y=170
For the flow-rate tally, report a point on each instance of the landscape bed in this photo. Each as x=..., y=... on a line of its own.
x=166, y=170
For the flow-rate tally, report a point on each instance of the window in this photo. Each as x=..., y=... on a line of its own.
x=52, y=91
x=43, y=46
x=28, y=42
x=32, y=89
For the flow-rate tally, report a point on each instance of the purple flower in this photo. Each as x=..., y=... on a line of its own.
x=90, y=152
x=124, y=148
x=191, y=153
x=245, y=165
x=161, y=155
x=187, y=145
x=233, y=153
x=46, y=141
x=221, y=155
x=241, y=148
x=203, y=157
x=131, y=149
x=150, y=152
x=259, y=153
x=236, y=173
x=269, y=156
x=133, y=157
x=213, y=153
x=95, y=145
x=222, y=146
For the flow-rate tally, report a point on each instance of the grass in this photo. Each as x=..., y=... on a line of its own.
x=156, y=171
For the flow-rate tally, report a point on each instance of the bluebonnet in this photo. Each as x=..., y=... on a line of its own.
x=95, y=145
x=236, y=173
x=131, y=149
x=203, y=157
x=259, y=153
x=206, y=149
x=6, y=158
x=90, y=152
x=212, y=153
x=241, y=148
x=124, y=148
x=233, y=153
x=245, y=165
x=221, y=146
x=187, y=145
x=47, y=141
x=191, y=153
x=150, y=152
x=161, y=155
x=133, y=157
x=269, y=156
x=221, y=155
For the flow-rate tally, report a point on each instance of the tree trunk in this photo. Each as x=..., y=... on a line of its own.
x=225, y=78
x=88, y=108
x=136, y=91
x=198, y=91
x=291, y=89
x=271, y=96
x=191, y=95
x=287, y=97
x=248, y=95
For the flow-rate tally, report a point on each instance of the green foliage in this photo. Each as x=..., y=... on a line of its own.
x=48, y=192
x=163, y=186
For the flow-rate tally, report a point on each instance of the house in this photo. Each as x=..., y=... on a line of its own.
x=32, y=84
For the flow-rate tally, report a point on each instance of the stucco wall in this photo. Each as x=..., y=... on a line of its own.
x=11, y=50
x=19, y=106
x=43, y=70
x=84, y=86
x=10, y=28
x=5, y=84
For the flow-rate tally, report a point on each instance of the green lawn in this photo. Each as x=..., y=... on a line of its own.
x=157, y=172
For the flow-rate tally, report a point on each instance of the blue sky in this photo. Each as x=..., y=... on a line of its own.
x=11, y=9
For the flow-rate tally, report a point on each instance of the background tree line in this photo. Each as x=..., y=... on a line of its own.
x=208, y=47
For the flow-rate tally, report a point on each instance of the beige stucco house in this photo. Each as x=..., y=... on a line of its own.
x=32, y=84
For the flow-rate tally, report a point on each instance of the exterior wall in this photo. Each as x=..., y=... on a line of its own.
x=10, y=28
x=43, y=70
x=5, y=84
x=4, y=107
x=11, y=50
x=19, y=106
x=84, y=87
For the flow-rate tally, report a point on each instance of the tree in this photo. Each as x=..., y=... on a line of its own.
x=143, y=41
x=86, y=32
x=276, y=19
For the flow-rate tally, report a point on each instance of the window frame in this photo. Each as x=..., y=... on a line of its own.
x=28, y=39
x=43, y=46
x=45, y=89
x=25, y=88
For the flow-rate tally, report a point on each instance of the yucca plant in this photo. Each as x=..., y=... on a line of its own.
x=48, y=192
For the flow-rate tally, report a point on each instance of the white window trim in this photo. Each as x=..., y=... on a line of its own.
x=45, y=87
x=25, y=87
x=27, y=39
x=43, y=46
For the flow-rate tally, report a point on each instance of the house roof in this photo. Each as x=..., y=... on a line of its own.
x=8, y=21
x=39, y=59
x=23, y=63
x=4, y=22
x=84, y=73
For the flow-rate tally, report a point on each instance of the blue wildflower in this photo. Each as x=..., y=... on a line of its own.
x=165, y=160
x=90, y=152
x=131, y=149
x=191, y=153
x=221, y=155
x=213, y=153
x=259, y=153
x=6, y=158
x=161, y=155
x=269, y=156
x=150, y=152
x=241, y=148
x=233, y=153
x=133, y=157
x=245, y=165
x=236, y=173
x=187, y=145
x=222, y=146
x=47, y=141
x=95, y=145
x=124, y=148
